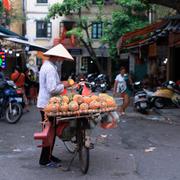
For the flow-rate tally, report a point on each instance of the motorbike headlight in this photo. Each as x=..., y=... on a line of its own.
x=103, y=85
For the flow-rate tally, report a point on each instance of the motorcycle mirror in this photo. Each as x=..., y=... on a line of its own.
x=137, y=83
x=171, y=82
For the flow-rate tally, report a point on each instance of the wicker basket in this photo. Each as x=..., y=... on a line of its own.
x=81, y=112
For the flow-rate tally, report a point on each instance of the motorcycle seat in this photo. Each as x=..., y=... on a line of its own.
x=141, y=93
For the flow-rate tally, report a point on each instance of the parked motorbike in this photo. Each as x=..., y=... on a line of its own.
x=101, y=83
x=11, y=102
x=91, y=80
x=141, y=103
x=167, y=95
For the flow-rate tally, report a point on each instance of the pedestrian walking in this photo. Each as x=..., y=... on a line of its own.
x=49, y=85
x=31, y=86
x=122, y=88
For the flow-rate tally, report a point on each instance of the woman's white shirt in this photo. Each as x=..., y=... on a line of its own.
x=49, y=83
x=121, y=84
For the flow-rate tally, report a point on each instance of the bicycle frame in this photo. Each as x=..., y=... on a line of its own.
x=55, y=127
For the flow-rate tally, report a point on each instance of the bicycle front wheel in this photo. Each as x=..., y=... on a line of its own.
x=83, y=152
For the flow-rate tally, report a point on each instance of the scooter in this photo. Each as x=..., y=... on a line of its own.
x=101, y=83
x=91, y=80
x=10, y=102
x=167, y=95
x=141, y=103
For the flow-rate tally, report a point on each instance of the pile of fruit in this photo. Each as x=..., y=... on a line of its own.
x=74, y=104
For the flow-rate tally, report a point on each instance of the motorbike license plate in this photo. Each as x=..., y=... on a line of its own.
x=18, y=99
x=143, y=105
x=102, y=85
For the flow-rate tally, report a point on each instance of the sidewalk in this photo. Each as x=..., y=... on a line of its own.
x=162, y=115
x=167, y=115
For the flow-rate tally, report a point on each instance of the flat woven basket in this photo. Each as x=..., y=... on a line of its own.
x=80, y=112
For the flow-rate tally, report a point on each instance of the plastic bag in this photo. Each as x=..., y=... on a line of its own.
x=110, y=120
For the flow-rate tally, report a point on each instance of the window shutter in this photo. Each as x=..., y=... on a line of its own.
x=49, y=30
x=42, y=1
x=97, y=30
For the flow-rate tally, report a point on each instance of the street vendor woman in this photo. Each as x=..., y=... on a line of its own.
x=49, y=85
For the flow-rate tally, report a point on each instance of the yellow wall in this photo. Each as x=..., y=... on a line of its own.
x=16, y=24
x=92, y=14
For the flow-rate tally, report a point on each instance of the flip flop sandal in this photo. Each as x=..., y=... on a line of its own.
x=55, y=159
x=52, y=165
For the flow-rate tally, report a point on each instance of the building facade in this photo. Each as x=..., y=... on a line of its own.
x=38, y=30
x=48, y=34
x=17, y=24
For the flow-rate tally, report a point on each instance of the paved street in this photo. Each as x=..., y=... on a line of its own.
x=143, y=147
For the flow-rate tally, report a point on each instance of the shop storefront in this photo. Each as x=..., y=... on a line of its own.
x=14, y=50
x=157, y=47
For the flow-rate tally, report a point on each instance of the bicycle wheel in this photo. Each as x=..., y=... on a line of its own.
x=83, y=152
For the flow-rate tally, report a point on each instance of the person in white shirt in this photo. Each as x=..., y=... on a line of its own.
x=120, y=86
x=49, y=82
x=49, y=85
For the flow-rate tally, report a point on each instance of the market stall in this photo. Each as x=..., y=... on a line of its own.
x=70, y=117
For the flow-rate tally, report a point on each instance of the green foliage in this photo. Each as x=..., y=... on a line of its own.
x=129, y=5
x=77, y=31
x=67, y=7
x=131, y=16
x=1, y=9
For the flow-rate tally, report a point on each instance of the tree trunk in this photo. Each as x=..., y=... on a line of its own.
x=92, y=54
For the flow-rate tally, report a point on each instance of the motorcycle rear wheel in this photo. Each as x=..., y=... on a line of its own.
x=159, y=103
x=14, y=113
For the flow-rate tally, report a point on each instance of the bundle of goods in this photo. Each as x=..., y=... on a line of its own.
x=75, y=104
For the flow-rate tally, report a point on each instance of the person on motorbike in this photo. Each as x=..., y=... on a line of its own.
x=19, y=79
x=122, y=86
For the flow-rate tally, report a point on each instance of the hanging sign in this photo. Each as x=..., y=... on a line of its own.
x=2, y=59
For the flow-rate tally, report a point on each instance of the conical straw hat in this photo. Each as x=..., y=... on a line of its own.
x=59, y=51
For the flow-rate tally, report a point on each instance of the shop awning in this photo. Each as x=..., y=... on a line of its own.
x=31, y=46
x=141, y=36
x=16, y=40
x=2, y=35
